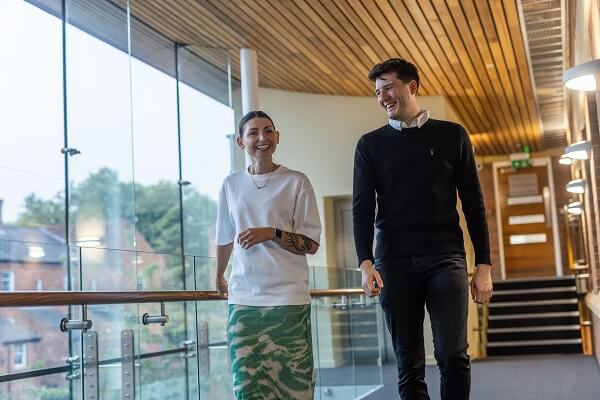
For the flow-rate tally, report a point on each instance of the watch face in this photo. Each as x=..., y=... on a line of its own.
x=278, y=233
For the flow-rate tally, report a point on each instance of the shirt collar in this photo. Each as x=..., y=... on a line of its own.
x=418, y=122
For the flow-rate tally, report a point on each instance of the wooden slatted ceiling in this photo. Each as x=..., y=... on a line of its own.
x=470, y=51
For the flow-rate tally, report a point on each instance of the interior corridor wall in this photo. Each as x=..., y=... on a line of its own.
x=318, y=137
x=319, y=134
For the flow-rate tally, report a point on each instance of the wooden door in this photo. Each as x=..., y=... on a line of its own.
x=526, y=217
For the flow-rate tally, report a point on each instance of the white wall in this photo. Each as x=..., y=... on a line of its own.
x=319, y=134
x=318, y=137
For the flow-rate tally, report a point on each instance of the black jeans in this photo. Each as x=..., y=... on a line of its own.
x=440, y=283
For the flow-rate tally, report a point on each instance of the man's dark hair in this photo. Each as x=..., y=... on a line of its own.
x=405, y=70
x=251, y=115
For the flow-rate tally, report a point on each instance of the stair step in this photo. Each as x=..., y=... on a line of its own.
x=534, y=283
x=542, y=349
x=511, y=336
x=527, y=321
x=535, y=315
x=536, y=290
x=534, y=309
x=535, y=328
x=517, y=343
x=532, y=303
x=504, y=297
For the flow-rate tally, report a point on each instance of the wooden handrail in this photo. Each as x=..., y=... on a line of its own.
x=43, y=299
x=335, y=292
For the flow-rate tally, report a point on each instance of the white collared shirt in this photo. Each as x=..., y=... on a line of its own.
x=418, y=122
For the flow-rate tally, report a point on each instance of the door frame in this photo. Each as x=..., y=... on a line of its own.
x=535, y=162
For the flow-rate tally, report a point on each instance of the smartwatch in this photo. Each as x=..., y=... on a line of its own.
x=277, y=234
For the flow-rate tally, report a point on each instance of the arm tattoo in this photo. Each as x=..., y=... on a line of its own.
x=297, y=243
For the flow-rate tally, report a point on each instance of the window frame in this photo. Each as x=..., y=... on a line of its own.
x=7, y=281
x=21, y=353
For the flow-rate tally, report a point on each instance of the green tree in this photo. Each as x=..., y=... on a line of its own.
x=154, y=209
x=40, y=212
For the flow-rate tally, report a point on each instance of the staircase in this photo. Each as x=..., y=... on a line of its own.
x=534, y=316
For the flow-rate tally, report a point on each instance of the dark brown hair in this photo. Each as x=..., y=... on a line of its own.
x=405, y=70
x=251, y=115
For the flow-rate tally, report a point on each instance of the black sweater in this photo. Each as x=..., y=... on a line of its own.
x=413, y=176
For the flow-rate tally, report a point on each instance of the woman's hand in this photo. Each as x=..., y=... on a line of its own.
x=252, y=236
x=222, y=286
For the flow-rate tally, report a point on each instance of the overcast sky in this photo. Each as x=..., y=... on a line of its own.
x=109, y=103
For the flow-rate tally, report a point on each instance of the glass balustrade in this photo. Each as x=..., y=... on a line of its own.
x=170, y=350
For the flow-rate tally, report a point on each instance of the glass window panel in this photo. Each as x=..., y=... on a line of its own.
x=332, y=347
x=167, y=375
x=163, y=377
x=365, y=325
x=8, y=281
x=32, y=204
x=53, y=386
x=20, y=355
x=108, y=269
x=215, y=380
x=29, y=265
x=206, y=160
x=30, y=339
x=99, y=127
x=160, y=271
x=156, y=168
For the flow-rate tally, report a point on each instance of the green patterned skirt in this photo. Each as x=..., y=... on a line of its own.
x=271, y=352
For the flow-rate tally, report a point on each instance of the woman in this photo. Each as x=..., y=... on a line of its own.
x=268, y=217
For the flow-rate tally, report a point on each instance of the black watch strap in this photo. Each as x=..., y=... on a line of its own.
x=277, y=234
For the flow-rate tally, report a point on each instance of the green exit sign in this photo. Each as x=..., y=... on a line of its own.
x=520, y=160
x=516, y=164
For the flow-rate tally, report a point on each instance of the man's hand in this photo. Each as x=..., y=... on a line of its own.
x=252, y=236
x=222, y=286
x=371, y=280
x=481, y=284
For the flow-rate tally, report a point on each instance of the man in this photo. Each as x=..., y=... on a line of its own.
x=411, y=169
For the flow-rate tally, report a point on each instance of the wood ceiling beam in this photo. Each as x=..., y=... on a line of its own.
x=470, y=51
x=440, y=84
x=463, y=71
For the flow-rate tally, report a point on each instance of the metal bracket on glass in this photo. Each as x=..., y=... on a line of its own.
x=127, y=365
x=190, y=348
x=73, y=362
x=161, y=319
x=361, y=303
x=70, y=150
x=84, y=324
x=344, y=305
x=90, y=365
x=73, y=375
x=183, y=183
x=203, y=356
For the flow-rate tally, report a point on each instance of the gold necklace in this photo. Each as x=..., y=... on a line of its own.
x=268, y=179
